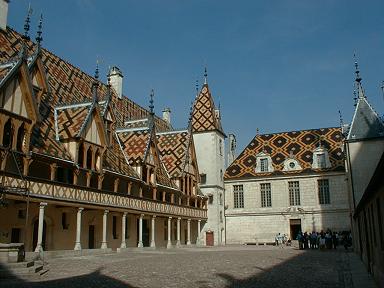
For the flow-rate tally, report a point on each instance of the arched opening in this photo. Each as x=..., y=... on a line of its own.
x=20, y=138
x=89, y=158
x=7, y=136
x=80, y=157
x=97, y=160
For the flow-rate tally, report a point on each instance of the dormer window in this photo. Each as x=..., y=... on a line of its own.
x=321, y=158
x=263, y=163
x=291, y=164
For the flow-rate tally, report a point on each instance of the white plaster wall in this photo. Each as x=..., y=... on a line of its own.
x=210, y=160
x=254, y=223
x=364, y=157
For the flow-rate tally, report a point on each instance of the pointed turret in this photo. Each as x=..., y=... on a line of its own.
x=365, y=123
x=204, y=116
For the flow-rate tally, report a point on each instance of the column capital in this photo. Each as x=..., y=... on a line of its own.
x=189, y=220
x=43, y=204
x=106, y=211
x=80, y=209
x=125, y=214
x=179, y=218
x=142, y=215
x=199, y=220
x=154, y=216
x=169, y=218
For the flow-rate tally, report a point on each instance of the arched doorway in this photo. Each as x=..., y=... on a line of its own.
x=35, y=234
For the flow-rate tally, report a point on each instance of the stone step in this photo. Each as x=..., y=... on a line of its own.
x=21, y=269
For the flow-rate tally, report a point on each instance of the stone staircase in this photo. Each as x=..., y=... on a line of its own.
x=23, y=270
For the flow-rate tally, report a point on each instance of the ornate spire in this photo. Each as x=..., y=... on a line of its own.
x=95, y=83
x=205, y=75
x=197, y=88
x=341, y=119
x=151, y=106
x=360, y=91
x=39, y=38
x=26, y=23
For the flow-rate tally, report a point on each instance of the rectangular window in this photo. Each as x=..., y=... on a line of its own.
x=373, y=226
x=210, y=199
x=380, y=222
x=64, y=222
x=266, y=199
x=323, y=186
x=114, y=233
x=263, y=165
x=294, y=193
x=238, y=196
x=203, y=178
x=321, y=160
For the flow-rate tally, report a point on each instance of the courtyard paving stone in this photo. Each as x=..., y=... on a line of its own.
x=228, y=267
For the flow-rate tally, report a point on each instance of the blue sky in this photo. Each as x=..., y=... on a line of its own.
x=273, y=65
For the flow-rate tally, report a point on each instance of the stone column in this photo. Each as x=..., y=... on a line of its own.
x=78, y=229
x=178, y=232
x=189, y=232
x=153, y=223
x=140, y=244
x=198, y=232
x=39, y=246
x=123, y=232
x=169, y=243
x=104, y=242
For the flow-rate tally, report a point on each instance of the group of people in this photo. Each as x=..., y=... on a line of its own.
x=324, y=240
x=317, y=240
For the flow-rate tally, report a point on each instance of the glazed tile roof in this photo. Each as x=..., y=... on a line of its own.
x=134, y=144
x=114, y=160
x=203, y=115
x=280, y=146
x=173, y=147
x=70, y=119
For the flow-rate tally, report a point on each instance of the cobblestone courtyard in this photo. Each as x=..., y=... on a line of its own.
x=245, y=266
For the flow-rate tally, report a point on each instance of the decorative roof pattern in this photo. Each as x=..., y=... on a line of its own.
x=280, y=146
x=134, y=144
x=139, y=123
x=71, y=119
x=204, y=115
x=173, y=148
x=114, y=160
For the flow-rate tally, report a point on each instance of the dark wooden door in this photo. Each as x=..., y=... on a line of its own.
x=209, y=240
x=91, y=237
x=15, y=236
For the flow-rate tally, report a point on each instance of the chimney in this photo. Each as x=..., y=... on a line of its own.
x=116, y=80
x=3, y=14
x=167, y=115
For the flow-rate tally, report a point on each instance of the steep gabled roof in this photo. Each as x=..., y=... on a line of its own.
x=281, y=146
x=365, y=123
x=173, y=147
x=204, y=117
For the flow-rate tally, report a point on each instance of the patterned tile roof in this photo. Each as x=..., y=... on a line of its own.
x=114, y=160
x=134, y=144
x=173, y=148
x=279, y=146
x=204, y=115
x=139, y=123
x=71, y=119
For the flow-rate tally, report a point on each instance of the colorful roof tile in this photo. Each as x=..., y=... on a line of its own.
x=204, y=117
x=281, y=146
x=173, y=147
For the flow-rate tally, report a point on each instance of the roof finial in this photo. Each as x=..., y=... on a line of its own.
x=360, y=91
x=341, y=119
x=151, y=106
x=197, y=87
x=97, y=70
x=109, y=77
x=191, y=111
x=205, y=75
x=39, y=38
x=382, y=88
x=26, y=23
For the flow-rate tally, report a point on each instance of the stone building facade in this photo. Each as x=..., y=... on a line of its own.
x=365, y=163
x=285, y=183
x=83, y=166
